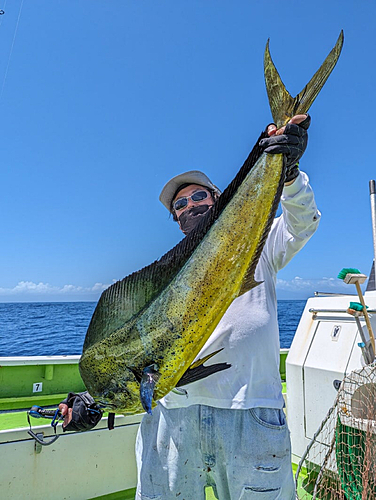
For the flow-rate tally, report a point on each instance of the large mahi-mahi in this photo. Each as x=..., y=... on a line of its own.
x=148, y=328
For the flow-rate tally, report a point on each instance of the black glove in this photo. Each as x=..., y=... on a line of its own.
x=85, y=412
x=292, y=143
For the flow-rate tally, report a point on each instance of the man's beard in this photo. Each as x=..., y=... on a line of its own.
x=191, y=217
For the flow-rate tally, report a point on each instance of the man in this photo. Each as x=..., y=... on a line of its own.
x=229, y=430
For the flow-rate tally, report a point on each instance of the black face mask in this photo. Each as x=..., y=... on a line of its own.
x=191, y=217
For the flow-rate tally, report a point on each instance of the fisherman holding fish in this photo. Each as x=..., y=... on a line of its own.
x=220, y=422
x=229, y=430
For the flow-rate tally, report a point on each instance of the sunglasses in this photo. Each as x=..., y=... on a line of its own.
x=183, y=202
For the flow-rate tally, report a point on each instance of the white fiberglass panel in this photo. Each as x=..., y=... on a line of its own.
x=326, y=362
x=77, y=466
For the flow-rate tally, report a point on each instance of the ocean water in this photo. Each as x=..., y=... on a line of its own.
x=59, y=328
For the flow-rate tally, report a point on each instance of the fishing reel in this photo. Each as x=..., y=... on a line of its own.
x=52, y=414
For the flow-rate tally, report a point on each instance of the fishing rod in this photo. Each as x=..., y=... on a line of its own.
x=2, y=12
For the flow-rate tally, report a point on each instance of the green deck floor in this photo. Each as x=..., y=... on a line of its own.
x=18, y=420
x=130, y=494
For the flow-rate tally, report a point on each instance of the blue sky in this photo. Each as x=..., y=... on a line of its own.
x=103, y=101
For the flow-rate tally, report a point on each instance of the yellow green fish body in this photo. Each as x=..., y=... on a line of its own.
x=174, y=327
x=147, y=329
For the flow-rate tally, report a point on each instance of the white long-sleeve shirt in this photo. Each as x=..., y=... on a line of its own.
x=248, y=332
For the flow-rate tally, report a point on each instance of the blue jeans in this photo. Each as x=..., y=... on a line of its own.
x=242, y=454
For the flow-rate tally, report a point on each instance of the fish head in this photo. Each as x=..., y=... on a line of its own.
x=118, y=393
x=120, y=398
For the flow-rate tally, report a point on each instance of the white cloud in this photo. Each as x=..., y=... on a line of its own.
x=30, y=291
x=323, y=284
x=29, y=288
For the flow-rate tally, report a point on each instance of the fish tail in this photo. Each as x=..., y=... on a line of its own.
x=283, y=106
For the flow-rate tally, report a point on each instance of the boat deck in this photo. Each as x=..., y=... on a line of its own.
x=94, y=451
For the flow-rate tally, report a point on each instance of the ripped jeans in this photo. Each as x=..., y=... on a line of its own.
x=242, y=454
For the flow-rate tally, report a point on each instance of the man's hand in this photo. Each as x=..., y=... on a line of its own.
x=66, y=412
x=80, y=412
x=297, y=119
x=291, y=140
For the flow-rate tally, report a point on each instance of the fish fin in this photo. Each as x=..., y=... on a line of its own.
x=201, y=372
x=150, y=377
x=198, y=371
x=282, y=105
x=203, y=360
x=249, y=281
x=129, y=296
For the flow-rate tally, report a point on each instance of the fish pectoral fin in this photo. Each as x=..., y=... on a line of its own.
x=282, y=105
x=150, y=376
x=198, y=371
x=201, y=361
x=249, y=281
